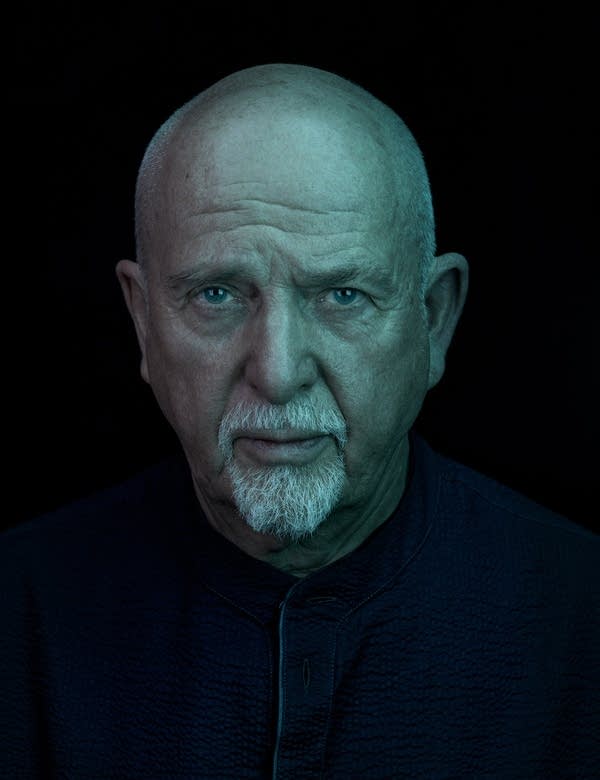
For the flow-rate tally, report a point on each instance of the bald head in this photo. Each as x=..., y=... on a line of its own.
x=303, y=127
x=284, y=220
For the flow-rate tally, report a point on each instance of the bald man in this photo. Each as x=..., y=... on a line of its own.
x=306, y=590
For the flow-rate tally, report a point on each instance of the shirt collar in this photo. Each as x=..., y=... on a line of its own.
x=257, y=588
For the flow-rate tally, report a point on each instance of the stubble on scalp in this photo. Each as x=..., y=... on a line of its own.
x=289, y=88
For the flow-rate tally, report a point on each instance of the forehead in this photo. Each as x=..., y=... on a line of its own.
x=316, y=186
x=309, y=157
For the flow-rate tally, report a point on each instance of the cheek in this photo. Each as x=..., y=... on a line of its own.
x=187, y=382
x=387, y=395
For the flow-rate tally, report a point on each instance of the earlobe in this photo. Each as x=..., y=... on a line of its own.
x=444, y=300
x=133, y=285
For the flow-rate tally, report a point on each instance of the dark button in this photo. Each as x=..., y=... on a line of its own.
x=306, y=673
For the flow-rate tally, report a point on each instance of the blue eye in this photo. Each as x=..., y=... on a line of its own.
x=210, y=298
x=347, y=299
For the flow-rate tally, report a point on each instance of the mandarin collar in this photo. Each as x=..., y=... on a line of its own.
x=258, y=588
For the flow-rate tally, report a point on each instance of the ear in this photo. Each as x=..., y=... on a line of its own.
x=444, y=300
x=133, y=284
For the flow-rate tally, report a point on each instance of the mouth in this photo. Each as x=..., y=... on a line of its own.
x=282, y=450
x=280, y=436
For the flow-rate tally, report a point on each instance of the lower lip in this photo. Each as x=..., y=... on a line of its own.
x=283, y=451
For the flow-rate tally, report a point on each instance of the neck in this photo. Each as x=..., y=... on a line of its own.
x=342, y=533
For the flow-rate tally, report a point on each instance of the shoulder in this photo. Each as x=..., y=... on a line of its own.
x=466, y=490
x=93, y=527
x=500, y=524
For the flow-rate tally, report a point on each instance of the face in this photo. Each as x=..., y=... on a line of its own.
x=257, y=323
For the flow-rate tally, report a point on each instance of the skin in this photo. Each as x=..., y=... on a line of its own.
x=285, y=188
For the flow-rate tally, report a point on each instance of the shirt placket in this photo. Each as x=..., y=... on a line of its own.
x=307, y=629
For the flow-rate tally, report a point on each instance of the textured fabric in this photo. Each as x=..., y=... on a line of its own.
x=460, y=640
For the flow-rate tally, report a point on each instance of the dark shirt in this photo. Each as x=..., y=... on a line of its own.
x=460, y=640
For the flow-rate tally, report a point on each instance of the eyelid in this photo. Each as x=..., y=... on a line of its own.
x=216, y=286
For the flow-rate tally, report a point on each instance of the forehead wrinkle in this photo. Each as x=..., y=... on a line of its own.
x=217, y=209
x=219, y=218
x=220, y=204
x=303, y=232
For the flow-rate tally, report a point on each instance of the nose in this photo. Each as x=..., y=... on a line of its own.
x=281, y=350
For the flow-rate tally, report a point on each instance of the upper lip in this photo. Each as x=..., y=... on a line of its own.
x=280, y=435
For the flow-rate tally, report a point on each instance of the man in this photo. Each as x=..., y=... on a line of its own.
x=312, y=591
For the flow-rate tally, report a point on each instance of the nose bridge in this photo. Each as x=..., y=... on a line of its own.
x=280, y=360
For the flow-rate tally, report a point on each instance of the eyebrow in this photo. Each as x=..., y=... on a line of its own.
x=379, y=277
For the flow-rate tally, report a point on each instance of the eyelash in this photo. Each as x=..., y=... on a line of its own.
x=196, y=293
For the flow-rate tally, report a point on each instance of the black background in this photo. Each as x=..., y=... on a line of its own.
x=502, y=103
